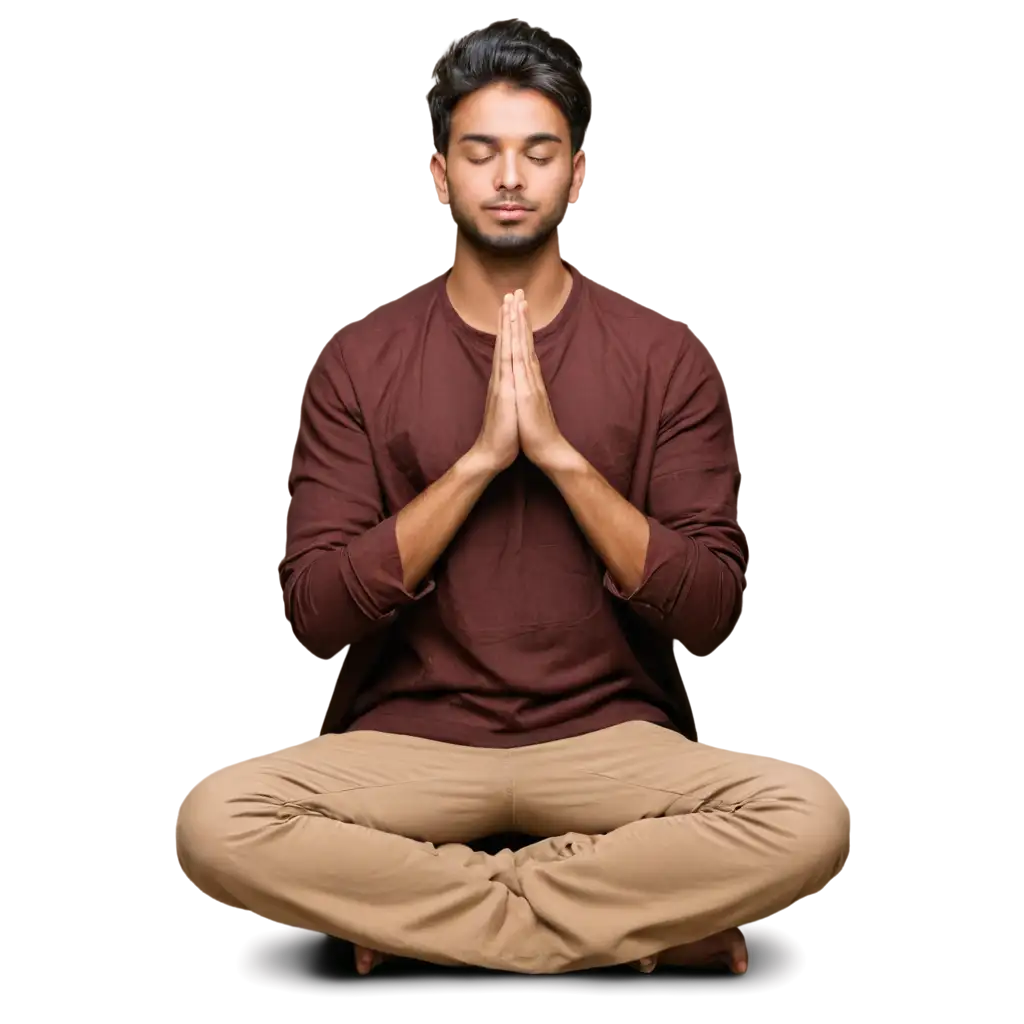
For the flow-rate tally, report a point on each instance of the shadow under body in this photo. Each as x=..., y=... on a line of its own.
x=311, y=966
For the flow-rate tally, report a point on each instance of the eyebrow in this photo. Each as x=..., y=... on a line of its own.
x=492, y=140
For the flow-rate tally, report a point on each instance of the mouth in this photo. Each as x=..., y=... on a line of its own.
x=509, y=212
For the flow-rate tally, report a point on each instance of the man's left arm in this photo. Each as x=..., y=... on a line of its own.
x=682, y=566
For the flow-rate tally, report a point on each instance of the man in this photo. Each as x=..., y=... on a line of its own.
x=512, y=489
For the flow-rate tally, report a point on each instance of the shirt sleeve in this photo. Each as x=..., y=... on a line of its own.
x=694, y=573
x=341, y=576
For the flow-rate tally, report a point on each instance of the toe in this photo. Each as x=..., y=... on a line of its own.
x=738, y=953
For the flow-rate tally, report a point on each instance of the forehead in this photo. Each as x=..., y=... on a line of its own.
x=510, y=113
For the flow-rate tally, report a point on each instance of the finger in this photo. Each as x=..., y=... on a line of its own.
x=522, y=312
x=517, y=342
x=501, y=342
x=527, y=353
x=513, y=328
x=528, y=328
x=503, y=334
x=494, y=384
x=506, y=342
x=496, y=359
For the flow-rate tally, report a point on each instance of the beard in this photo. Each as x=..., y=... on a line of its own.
x=510, y=239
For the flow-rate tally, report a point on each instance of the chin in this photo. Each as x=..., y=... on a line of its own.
x=513, y=241
x=515, y=245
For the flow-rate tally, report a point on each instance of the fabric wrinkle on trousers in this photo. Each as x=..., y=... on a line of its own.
x=653, y=840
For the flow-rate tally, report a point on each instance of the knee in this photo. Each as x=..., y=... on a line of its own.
x=824, y=834
x=202, y=832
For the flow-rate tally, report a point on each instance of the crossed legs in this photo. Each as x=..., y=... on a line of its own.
x=657, y=846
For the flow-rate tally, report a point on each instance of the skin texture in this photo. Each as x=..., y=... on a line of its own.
x=494, y=258
x=498, y=264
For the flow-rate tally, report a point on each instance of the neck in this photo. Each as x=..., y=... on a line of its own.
x=478, y=283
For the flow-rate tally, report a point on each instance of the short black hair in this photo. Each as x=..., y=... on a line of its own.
x=510, y=51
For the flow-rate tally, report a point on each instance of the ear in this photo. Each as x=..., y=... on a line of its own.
x=581, y=169
x=435, y=169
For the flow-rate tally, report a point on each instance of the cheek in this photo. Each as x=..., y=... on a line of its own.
x=559, y=186
x=464, y=192
x=556, y=196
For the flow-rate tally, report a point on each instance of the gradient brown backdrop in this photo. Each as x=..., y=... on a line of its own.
x=190, y=200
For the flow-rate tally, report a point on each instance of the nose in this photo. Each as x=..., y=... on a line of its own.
x=509, y=177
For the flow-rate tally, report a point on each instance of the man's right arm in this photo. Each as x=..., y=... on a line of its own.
x=425, y=526
x=348, y=568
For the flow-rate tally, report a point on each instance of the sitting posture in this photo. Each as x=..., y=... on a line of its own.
x=512, y=490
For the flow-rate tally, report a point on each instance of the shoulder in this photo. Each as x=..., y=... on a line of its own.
x=667, y=347
x=363, y=345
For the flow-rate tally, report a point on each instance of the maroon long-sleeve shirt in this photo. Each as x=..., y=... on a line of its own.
x=518, y=634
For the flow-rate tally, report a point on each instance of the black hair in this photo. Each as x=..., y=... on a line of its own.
x=510, y=51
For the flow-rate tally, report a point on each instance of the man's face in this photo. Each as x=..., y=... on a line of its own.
x=492, y=159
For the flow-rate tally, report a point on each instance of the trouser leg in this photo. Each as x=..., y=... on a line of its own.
x=655, y=841
x=362, y=835
x=659, y=841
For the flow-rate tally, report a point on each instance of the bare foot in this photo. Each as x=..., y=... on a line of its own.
x=367, y=959
x=726, y=947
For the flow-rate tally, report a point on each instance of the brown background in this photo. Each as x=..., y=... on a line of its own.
x=190, y=200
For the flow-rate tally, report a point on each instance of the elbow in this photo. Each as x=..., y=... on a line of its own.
x=321, y=633
x=324, y=643
x=702, y=634
x=329, y=607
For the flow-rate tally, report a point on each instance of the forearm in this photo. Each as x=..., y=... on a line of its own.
x=693, y=588
x=616, y=529
x=426, y=526
x=338, y=596
x=680, y=563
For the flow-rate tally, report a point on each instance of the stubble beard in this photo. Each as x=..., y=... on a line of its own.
x=506, y=245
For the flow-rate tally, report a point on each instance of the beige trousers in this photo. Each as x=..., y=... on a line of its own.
x=652, y=840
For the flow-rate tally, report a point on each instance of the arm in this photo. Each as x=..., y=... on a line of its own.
x=617, y=530
x=427, y=524
x=682, y=567
x=348, y=569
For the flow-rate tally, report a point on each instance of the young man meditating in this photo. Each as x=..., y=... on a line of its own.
x=512, y=490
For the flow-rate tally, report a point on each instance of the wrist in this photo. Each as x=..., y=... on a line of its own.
x=561, y=458
x=477, y=466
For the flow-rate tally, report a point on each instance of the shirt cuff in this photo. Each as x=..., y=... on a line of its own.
x=662, y=579
x=372, y=572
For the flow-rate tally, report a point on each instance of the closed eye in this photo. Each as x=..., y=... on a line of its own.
x=535, y=159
